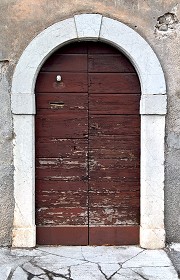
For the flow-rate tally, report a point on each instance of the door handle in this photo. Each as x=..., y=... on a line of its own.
x=58, y=78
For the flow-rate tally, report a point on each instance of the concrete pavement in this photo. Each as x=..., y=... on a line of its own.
x=85, y=263
x=174, y=253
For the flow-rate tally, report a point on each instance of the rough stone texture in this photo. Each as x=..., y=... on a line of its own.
x=23, y=104
x=153, y=104
x=79, y=263
x=22, y=20
x=88, y=26
x=6, y=166
x=173, y=252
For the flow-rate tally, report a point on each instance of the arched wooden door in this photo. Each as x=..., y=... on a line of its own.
x=87, y=147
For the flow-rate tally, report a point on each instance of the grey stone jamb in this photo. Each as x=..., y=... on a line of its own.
x=152, y=108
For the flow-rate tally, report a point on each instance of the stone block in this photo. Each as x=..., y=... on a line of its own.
x=88, y=25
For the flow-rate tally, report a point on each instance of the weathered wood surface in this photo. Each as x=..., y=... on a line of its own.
x=53, y=186
x=106, y=63
x=66, y=62
x=67, y=235
x=113, y=83
x=61, y=169
x=62, y=125
x=115, y=147
x=107, y=215
x=87, y=147
x=115, y=104
x=66, y=198
x=63, y=102
x=110, y=235
x=53, y=216
x=124, y=185
x=71, y=82
x=100, y=48
x=114, y=125
x=74, y=48
x=62, y=148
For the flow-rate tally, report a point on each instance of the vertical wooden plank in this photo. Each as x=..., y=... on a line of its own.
x=61, y=149
x=114, y=148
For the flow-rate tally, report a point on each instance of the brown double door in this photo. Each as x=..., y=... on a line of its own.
x=87, y=147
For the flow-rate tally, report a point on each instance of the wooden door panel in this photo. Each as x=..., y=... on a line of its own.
x=110, y=235
x=62, y=216
x=74, y=48
x=125, y=185
x=102, y=63
x=47, y=186
x=113, y=198
x=120, y=154
x=121, y=148
x=113, y=169
x=62, y=199
x=61, y=169
x=66, y=62
x=113, y=216
x=66, y=235
x=117, y=142
x=62, y=102
x=114, y=125
x=101, y=48
x=113, y=83
x=71, y=82
x=114, y=104
x=108, y=174
x=115, y=164
x=62, y=148
x=87, y=148
x=62, y=125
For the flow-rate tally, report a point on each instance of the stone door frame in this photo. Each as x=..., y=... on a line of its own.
x=152, y=109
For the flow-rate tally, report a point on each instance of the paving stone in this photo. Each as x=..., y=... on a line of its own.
x=110, y=254
x=86, y=272
x=29, y=267
x=9, y=262
x=157, y=273
x=34, y=271
x=4, y=272
x=19, y=274
x=126, y=274
x=26, y=252
x=109, y=269
x=64, y=251
x=149, y=258
x=53, y=262
x=5, y=256
x=102, y=263
x=174, y=254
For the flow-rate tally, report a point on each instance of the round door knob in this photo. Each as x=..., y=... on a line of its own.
x=58, y=78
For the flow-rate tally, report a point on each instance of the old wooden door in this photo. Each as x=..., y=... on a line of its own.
x=87, y=147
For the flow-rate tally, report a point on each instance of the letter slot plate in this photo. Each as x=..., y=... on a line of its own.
x=57, y=105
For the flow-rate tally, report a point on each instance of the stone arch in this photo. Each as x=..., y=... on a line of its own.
x=152, y=110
